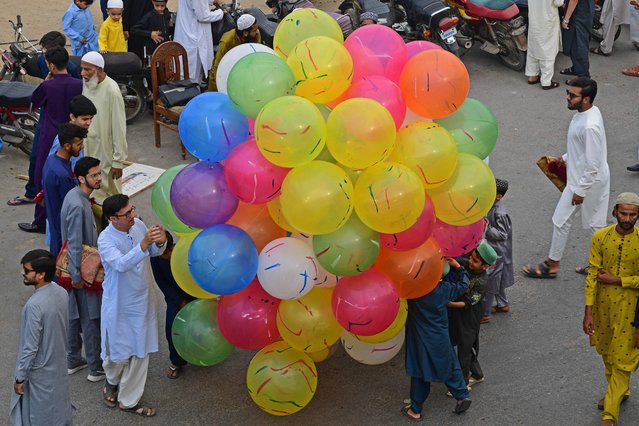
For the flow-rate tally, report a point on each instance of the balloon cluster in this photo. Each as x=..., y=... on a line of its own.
x=323, y=199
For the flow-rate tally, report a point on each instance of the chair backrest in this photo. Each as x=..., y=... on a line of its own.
x=169, y=62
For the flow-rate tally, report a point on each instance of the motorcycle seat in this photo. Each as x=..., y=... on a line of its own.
x=117, y=63
x=267, y=27
x=16, y=94
x=495, y=9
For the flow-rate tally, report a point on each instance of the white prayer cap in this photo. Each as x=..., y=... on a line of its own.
x=94, y=58
x=628, y=198
x=245, y=22
x=115, y=4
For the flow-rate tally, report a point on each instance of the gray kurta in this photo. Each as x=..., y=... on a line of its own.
x=42, y=361
x=499, y=235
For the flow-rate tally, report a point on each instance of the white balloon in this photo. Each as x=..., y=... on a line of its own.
x=232, y=57
x=372, y=353
x=287, y=268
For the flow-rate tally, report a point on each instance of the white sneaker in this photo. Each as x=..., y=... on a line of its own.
x=83, y=364
x=473, y=381
x=98, y=376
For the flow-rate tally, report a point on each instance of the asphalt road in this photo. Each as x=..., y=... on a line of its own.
x=538, y=365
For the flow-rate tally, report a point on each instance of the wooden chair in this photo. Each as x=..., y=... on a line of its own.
x=169, y=62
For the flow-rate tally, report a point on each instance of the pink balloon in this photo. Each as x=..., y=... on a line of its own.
x=365, y=304
x=414, y=236
x=376, y=50
x=419, y=46
x=251, y=125
x=247, y=319
x=251, y=177
x=382, y=90
x=458, y=240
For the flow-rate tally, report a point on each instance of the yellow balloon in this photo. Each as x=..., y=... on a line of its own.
x=429, y=150
x=322, y=67
x=324, y=354
x=281, y=380
x=275, y=211
x=361, y=132
x=180, y=267
x=317, y=198
x=290, y=131
x=468, y=195
x=308, y=323
x=393, y=329
x=302, y=24
x=389, y=197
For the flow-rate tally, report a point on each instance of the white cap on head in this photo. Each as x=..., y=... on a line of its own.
x=115, y=4
x=94, y=58
x=245, y=22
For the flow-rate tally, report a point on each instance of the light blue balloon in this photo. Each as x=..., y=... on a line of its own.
x=223, y=259
x=210, y=126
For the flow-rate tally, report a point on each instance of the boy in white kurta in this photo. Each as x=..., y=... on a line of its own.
x=588, y=176
x=129, y=323
x=544, y=41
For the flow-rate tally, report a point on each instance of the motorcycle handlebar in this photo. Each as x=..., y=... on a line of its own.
x=19, y=19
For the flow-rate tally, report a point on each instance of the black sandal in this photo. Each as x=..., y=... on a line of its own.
x=109, y=394
x=541, y=271
x=568, y=71
x=537, y=80
x=552, y=85
x=414, y=419
x=140, y=410
x=597, y=51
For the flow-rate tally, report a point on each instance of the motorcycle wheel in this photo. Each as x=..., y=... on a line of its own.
x=510, y=56
x=27, y=144
x=134, y=102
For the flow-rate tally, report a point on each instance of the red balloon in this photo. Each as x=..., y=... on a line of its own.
x=247, y=319
x=458, y=240
x=414, y=236
x=251, y=177
x=365, y=304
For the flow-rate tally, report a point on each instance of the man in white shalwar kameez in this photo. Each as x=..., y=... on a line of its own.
x=544, y=41
x=41, y=388
x=129, y=323
x=106, y=140
x=588, y=176
x=613, y=14
x=193, y=31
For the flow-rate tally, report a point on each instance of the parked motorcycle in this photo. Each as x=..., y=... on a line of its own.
x=17, y=119
x=430, y=20
x=497, y=25
x=21, y=57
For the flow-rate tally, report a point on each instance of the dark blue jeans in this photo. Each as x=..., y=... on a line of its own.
x=30, y=189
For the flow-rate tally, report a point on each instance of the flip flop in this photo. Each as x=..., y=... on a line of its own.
x=632, y=72
x=140, y=410
x=582, y=270
x=568, y=71
x=597, y=51
x=552, y=85
x=18, y=201
x=541, y=271
x=531, y=82
x=414, y=419
x=173, y=372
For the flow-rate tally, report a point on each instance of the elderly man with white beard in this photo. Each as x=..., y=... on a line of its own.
x=106, y=140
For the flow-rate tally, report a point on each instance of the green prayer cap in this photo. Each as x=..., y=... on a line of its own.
x=487, y=253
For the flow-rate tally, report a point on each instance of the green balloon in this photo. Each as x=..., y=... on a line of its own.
x=350, y=250
x=161, y=202
x=196, y=335
x=446, y=269
x=474, y=128
x=257, y=79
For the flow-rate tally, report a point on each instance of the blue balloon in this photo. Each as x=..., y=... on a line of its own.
x=210, y=126
x=223, y=259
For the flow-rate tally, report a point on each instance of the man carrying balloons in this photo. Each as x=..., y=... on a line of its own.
x=430, y=356
x=129, y=323
x=247, y=31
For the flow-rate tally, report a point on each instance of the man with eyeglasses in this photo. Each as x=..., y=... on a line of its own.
x=41, y=385
x=129, y=323
x=611, y=297
x=78, y=227
x=588, y=177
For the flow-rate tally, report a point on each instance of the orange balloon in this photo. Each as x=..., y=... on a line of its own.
x=435, y=83
x=415, y=272
x=256, y=221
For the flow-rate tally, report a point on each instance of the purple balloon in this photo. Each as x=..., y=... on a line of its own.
x=419, y=46
x=200, y=195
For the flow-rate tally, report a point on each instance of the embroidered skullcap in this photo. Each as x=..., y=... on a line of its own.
x=115, y=4
x=94, y=58
x=487, y=253
x=368, y=15
x=502, y=186
x=245, y=22
x=628, y=198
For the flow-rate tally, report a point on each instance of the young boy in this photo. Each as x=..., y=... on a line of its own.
x=111, y=38
x=49, y=41
x=175, y=299
x=466, y=312
x=155, y=27
x=81, y=112
x=430, y=356
x=499, y=234
x=77, y=24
